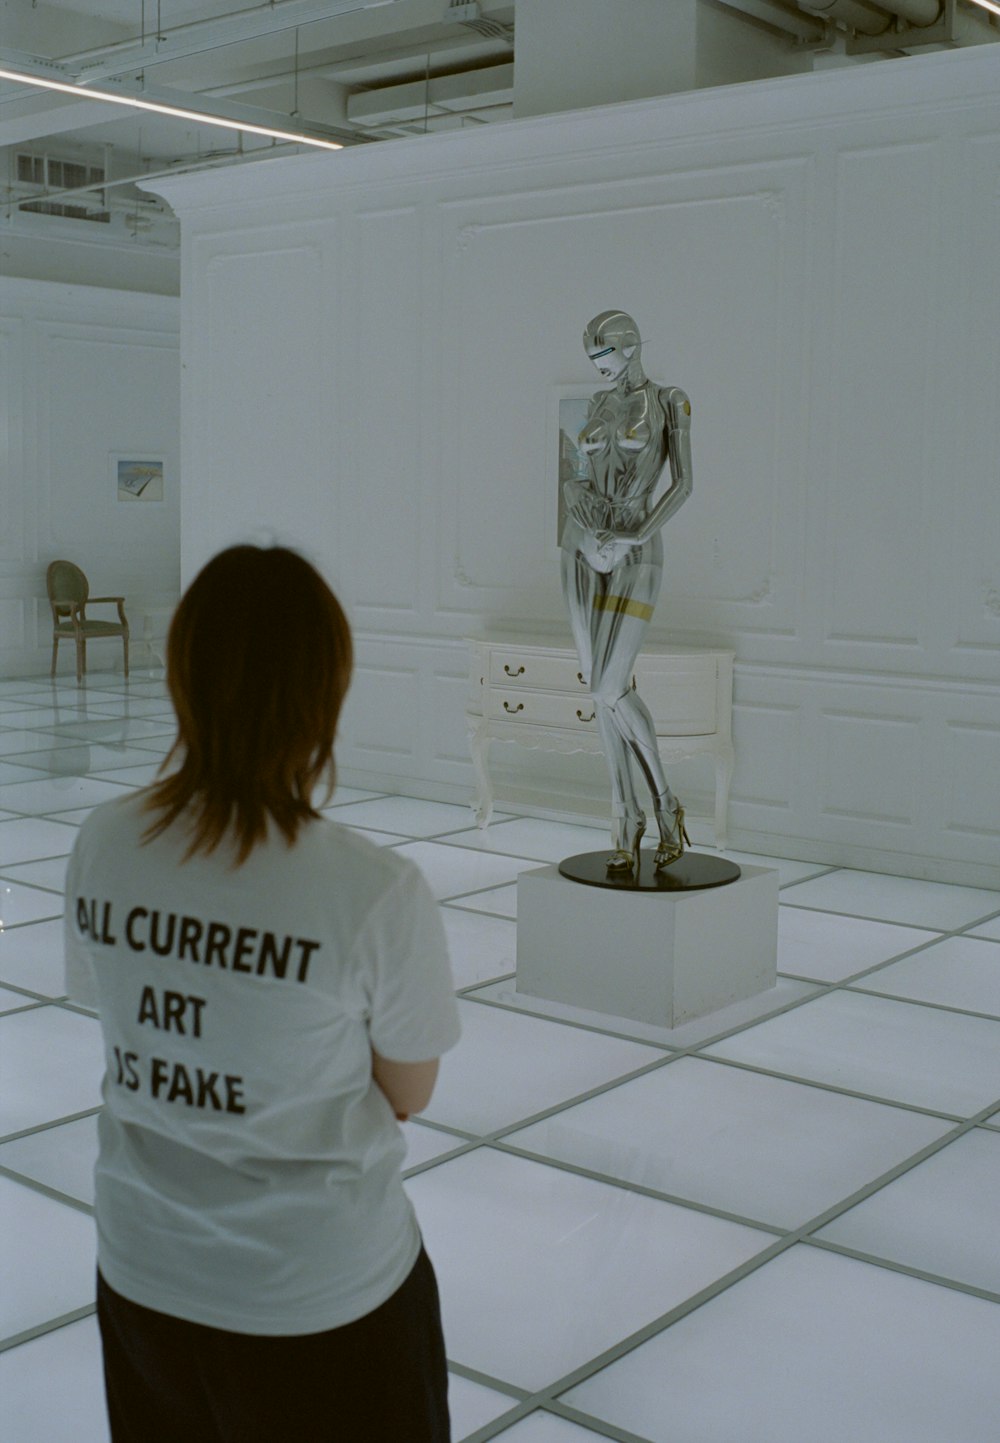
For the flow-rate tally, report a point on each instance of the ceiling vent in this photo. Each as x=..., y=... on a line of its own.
x=47, y=174
x=469, y=13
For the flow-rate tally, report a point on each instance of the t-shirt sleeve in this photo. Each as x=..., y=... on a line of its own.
x=81, y=985
x=414, y=1016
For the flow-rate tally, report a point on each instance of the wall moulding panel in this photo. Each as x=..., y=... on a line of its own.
x=13, y=540
x=970, y=625
x=887, y=393
x=388, y=465
x=374, y=343
x=722, y=295
x=405, y=714
x=13, y=631
x=263, y=468
x=84, y=372
x=901, y=766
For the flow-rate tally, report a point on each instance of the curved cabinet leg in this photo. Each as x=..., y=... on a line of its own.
x=723, y=777
x=479, y=746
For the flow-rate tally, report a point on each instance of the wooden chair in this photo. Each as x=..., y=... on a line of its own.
x=69, y=597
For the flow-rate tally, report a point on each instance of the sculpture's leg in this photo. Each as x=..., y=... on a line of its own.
x=479, y=745
x=636, y=725
x=723, y=778
x=626, y=810
x=615, y=639
x=582, y=586
x=622, y=615
x=578, y=584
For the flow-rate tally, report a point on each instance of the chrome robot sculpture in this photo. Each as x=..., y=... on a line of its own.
x=612, y=562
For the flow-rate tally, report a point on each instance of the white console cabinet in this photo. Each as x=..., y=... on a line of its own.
x=534, y=694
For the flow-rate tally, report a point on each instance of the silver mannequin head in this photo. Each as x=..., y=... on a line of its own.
x=613, y=343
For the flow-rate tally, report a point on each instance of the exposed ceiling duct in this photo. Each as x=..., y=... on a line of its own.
x=367, y=70
x=874, y=19
x=865, y=27
x=451, y=95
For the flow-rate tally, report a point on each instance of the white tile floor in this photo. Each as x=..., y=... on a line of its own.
x=775, y=1224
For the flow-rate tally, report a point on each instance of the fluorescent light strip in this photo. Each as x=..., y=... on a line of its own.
x=988, y=5
x=84, y=92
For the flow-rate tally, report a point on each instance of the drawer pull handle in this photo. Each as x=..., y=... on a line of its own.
x=513, y=709
x=579, y=677
x=519, y=672
x=585, y=718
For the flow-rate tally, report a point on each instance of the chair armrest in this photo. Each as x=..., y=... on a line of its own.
x=118, y=601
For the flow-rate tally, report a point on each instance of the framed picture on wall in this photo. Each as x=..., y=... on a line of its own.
x=137, y=476
x=567, y=413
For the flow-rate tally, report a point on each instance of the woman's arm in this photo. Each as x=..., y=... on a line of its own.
x=407, y=1085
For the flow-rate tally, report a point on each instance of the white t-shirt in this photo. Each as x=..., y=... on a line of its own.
x=249, y=1168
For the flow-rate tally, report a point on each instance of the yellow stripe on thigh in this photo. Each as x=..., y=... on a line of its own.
x=625, y=605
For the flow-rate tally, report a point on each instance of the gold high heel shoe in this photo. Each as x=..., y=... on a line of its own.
x=626, y=859
x=671, y=848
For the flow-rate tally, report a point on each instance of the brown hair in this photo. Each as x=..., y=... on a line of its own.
x=258, y=662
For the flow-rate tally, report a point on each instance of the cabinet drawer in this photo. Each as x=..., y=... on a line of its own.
x=546, y=709
x=549, y=673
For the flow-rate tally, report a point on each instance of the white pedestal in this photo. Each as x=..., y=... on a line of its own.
x=657, y=957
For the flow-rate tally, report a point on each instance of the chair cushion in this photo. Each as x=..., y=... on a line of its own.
x=92, y=628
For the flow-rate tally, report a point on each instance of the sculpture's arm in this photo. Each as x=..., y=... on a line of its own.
x=583, y=503
x=678, y=409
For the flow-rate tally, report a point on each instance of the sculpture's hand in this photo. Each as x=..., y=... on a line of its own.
x=613, y=545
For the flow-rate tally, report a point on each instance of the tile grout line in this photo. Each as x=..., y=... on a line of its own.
x=55, y=1194
x=924, y=1002
x=466, y=996
x=539, y=1403
x=49, y=1125
x=904, y=1269
x=39, y=1330
x=890, y=921
x=836, y=1088
x=627, y=1185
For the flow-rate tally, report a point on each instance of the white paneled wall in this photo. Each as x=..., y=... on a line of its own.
x=375, y=344
x=85, y=373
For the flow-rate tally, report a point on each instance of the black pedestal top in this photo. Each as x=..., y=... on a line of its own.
x=692, y=872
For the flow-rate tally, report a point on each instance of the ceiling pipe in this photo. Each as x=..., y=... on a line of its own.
x=199, y=37
x=873, y=19
x=257, y=20
x=805, y=29
x=856, y=14
x=916, y=12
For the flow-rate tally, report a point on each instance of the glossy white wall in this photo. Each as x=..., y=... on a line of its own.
x=85, y=373
x=375, y=344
